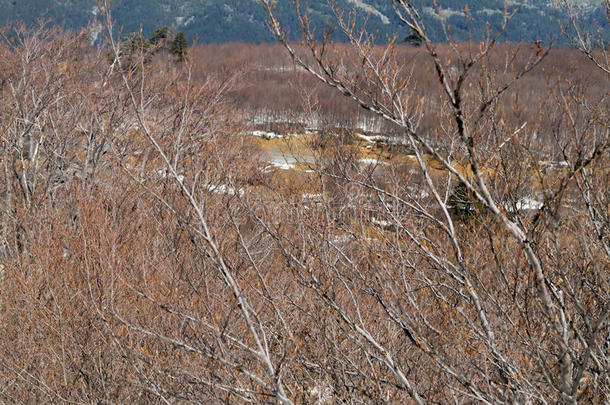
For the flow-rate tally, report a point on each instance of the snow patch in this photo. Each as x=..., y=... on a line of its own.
x=525, y=204
x=335, y=239
x=553, y=164
x=282, y=166
x=489, y=11
x=284, y=161
x=370, y=9
x=224, y=189
x=312, y=198
x=372, y=138
x=528, y=204
x=444, y=13
x=371, y=162
x=184, y=21
x=382, y=223
x=266, y=135
x=322, y=395
x=394, y=141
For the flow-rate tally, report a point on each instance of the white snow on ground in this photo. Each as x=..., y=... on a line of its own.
x=382, y=222
x=548, y=163
x=312, y=198
x=274, y=135
x=224, y=189
x=282, y=166
x=370, y=9
x=284, y=161
x=372, y=162
x=444, y=13
x=322, y=395
x=525, y=204
x=341, y=238
x=382, y=139
x=372, y=138
x=184, y=21
x=266, y=135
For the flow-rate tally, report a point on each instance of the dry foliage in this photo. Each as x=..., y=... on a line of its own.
x=148, y=254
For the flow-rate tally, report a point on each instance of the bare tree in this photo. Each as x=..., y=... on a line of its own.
x=506, y=342
x=591, y=43
x=152, y=255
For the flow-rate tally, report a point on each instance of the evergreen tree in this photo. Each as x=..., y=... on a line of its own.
x=134, y=47
x=135, y=43
x=159, y=35
x=413, y=38
x=461, y=202
x=180, y=46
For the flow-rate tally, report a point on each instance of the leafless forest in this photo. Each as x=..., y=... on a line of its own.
x=304, y=223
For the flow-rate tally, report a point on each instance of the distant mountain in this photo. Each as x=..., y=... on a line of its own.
x=244, y=20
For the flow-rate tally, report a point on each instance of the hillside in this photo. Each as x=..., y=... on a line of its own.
x=218, y=21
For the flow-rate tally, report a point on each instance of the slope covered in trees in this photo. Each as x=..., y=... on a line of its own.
x=243, y=20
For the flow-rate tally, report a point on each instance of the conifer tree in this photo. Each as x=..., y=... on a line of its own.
x=159, y=34
x=180, y=46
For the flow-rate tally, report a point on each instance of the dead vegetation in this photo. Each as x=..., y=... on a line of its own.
x=156, y=248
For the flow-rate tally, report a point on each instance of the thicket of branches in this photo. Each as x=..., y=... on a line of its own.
x=148, y=255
